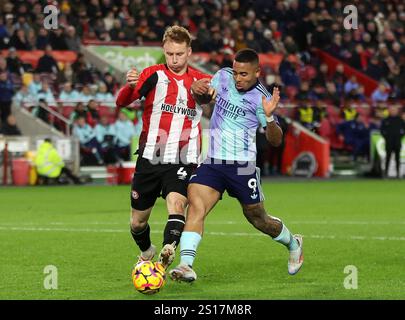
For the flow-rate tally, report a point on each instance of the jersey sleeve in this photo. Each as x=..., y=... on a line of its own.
x=147, y=80
x=261, y=116
x=215, y=80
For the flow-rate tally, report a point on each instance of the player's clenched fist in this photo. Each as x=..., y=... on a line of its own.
x=201, y=86
x=132, y=77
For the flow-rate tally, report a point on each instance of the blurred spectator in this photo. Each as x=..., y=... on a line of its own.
x=318, y=92
x=240, y=42
x=82, y=74
x=47, y=62
x=320, y=37
x=203, y=38
x=115, y=30
x=19, y=40
x=339, y=78
x=364, y=136
x=124, y=132
x=374, y=69
x=105, y=134
x=290, y=45
x=23, y=96
x=35, y=85
x=138, y=122
x=4, y=36
x=253, y=43
x=42, y=39
x=335, y=48
x=93, y=115
x=66, y=74
x=304, y=91
x=109, y=21
x=288, y=73
x=3, y=65
x=85, y=95
x=57, y=39
x=331, y=94
x=357, y=135
x=322, y=77
x=320, y=113
x=10, y=128
x=275, y=154
x=102, y=95
x=14, y=63
x=88, y=140
x=227, y=60
x=351, y=84
x=79, y=111
x=305, y=115
x=72, y=40
x=393, y=129
x=50, y=165
x=22, y=23
x=349, y=112
x=111, y=83
x=45, y=93
x=6, y=95
x=68, y=94
x=9, y=25
x=381, y=93
x=356, y=94
x=40, y=110
x=359, y=58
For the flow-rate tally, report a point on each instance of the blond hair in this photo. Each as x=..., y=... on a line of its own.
x=177, y=34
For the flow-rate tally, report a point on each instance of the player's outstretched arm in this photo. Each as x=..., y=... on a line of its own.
x=274, y=134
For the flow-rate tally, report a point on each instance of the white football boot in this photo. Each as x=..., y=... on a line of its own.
x=183, y=272
x=147, y=255
x=296, y=258
x=167, y=254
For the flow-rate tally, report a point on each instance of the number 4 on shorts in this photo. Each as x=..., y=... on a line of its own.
x=181, y=173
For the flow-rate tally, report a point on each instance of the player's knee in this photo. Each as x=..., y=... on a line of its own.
x=176, y=204
x=138, y=222
x=138, y=226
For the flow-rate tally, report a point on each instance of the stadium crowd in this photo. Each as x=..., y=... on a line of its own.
x=293, y=28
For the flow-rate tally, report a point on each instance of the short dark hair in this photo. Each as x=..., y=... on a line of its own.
x=247, y=55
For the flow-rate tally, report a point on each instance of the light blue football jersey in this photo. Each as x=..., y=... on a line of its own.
x=235, y=119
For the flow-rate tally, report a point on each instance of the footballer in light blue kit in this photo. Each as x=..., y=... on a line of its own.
x=242, y=103
x=236, y=116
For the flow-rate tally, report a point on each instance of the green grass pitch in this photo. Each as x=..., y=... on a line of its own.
x=83, y=231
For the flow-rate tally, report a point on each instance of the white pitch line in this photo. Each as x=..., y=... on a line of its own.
x=349, y=222
x=323, y=222
x=231, y=234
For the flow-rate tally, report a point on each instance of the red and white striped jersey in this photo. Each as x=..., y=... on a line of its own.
x=171, y=131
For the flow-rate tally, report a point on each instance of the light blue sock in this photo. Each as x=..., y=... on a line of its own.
x=286, y=238
x=188, y=246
